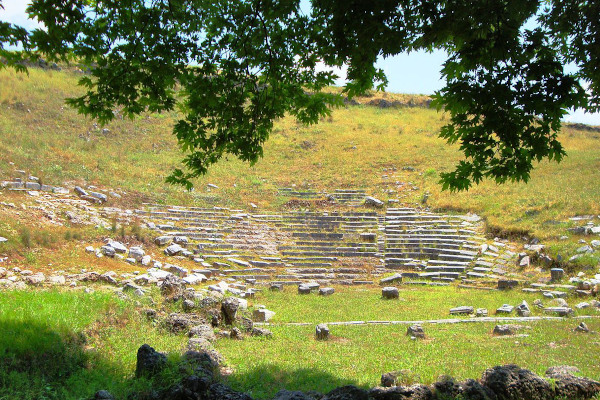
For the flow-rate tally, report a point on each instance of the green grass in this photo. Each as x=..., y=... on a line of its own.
x=366, y=304
x=360, y=354
x=67, y=345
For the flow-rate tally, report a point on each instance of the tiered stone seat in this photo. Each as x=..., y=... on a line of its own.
x=309, y=194
x=330, y=246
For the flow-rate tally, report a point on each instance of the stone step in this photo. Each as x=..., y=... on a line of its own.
x=257, y=277
x=309, y=264
x=265, y=264
x=335, y=253
x=442, y=268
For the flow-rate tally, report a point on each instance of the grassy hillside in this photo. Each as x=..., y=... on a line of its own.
x=359, y=146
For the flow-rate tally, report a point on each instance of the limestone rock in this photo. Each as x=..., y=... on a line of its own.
x=171, y=286
x=35, y=279
x=194, y=279
x=511, y=382
x=103, y=395
x=348, y=392
x=118, y=246
x=203, y=331
x=108, y=251
x=188, y=305
x=560, y=311
x=57, y=280
x=182, y=240
x=149, y=361
x=561, y=370
x=136, y=253
x=229, y=308
x=173, y=249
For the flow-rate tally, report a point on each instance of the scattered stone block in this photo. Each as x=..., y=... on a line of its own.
x=560, y=311
x=506, y=330
x=505, y=309
x=146, y=260
x=262, y=332
x=173, y=249
x=322, y=332
x=523, y=309
x=415, y=331
x=35, y=279
x=373, y=202
x=80, y=191
x=327, y=291
x=118, y=246
x=390, y=292
x=276, y=287
x=582, y=305
x=462, y=310
x=136, y=253
x=582, y=327
x=303, y=289
x=182, y=240
x=100, y=196
x=557, y=274
x=57, y=280
x=163, y=240
x=396, y=278
x=194, y=279
x=108, y=251
x=262, y=315
x=481, y=312
x=505, y=284
x=524, y=261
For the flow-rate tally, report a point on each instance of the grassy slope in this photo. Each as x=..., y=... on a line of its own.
x=348, y=150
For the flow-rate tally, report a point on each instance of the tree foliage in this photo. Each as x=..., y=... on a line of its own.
x=232, y=67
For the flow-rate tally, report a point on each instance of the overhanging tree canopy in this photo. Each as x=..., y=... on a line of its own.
x=234, y=66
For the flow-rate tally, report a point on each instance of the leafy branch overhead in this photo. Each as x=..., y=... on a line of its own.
x=232, y=67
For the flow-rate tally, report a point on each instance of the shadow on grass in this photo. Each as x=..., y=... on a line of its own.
x=264, y=381
x=39, y=362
